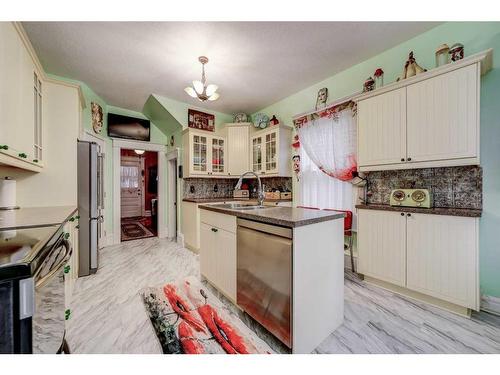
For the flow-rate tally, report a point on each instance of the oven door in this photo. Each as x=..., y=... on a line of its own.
x=49, y=316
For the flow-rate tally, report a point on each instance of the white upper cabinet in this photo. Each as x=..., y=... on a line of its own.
x=382, y=129
x=20, y=102
x=443, y=116
x=429, y=120
x=270, y=151
x=238, y=152
x=204, y=153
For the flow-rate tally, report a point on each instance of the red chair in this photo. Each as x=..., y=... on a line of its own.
x=347, y=231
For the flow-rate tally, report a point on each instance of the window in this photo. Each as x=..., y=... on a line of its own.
x=320, y=190
x=37, y=101
x=129, y=177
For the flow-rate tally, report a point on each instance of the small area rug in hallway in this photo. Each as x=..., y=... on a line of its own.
x=188, y=319
x=134, y=231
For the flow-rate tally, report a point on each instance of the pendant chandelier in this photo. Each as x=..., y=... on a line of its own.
x=201, y=90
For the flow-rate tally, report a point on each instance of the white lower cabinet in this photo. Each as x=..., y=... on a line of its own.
x=381, y=245
x=218, y=251
x=442, y=258
x=435, y=255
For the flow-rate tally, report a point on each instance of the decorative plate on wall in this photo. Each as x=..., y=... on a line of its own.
x=97, y=117
x=261, y=120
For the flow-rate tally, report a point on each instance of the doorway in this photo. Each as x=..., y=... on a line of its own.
x=138, y=194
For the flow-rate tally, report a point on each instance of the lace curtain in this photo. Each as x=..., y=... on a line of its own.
x=320, y=190
x=329, y=138
x=129, y=177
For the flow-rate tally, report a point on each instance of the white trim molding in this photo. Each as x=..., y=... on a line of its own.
x=173, y=218
x=490, y=304
x=118, y=144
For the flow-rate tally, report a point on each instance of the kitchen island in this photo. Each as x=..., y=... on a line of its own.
x=281, y=265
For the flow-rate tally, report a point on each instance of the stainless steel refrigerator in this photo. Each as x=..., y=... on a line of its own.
x=90, y=205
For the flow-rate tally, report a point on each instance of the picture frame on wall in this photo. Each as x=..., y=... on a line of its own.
x=201, y=120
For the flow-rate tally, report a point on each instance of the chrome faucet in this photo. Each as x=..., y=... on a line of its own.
x=260, y=193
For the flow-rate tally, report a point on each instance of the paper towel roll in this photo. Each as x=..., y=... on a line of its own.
x=7, y=193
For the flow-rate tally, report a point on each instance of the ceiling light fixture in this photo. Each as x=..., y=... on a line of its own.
x=201, y=90
x=139, y=152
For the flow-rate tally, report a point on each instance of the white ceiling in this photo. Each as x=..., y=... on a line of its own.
x=254, y=63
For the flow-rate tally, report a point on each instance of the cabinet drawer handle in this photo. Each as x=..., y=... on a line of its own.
x=35, y=160
x=67, y=314
x=22, y=155
x=66, y=236
x=66, y=269
x=215, y=230
x=4, y=147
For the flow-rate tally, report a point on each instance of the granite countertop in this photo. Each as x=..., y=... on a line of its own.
x=467, y=212
x=35, y=217
x=215, y=200
x=284, y=216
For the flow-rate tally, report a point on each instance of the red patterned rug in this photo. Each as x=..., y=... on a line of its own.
x=188, y=319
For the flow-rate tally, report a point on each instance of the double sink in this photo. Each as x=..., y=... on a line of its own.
x=241, y=206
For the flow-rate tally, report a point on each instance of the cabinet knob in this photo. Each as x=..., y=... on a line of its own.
x=66, y=269
x=402, y=159
x=215, y=230
x=67, y=314
x=408, y=214
x=402, y=214
x=409, y=159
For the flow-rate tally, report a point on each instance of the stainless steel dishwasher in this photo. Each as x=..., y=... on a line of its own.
x=264, y=276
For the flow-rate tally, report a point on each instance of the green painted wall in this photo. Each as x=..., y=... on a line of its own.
x=476, y=36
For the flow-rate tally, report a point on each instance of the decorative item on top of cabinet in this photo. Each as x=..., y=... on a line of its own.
x=411, y=68
x=240, y=118
x=261, y=120
x=322, y=98
x=201, y=120
x=274, y=121
x=442, y=55
x=456, y=52
x=379, y=78
x=369, y=84
x=97, y=117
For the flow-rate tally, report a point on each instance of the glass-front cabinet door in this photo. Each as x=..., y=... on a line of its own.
x=218, y=157
x=257, y=156
x=271, y=165
x=199, y=154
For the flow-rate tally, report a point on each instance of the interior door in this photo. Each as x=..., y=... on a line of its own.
x=131, y=187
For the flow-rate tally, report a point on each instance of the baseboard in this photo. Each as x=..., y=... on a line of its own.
x=490, y=304
x=180, y=238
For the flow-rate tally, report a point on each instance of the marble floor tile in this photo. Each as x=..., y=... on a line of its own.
x=108, y=315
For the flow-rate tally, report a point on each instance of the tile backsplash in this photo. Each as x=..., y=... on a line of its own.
x=223, y=187
x=455, y=187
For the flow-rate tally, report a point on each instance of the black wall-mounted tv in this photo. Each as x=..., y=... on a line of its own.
x=128, y=127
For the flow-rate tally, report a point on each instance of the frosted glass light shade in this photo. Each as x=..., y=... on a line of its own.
x=198, y=86
x=211, y=89
x=190, y=91
x=139, y=152
x=215, y=96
